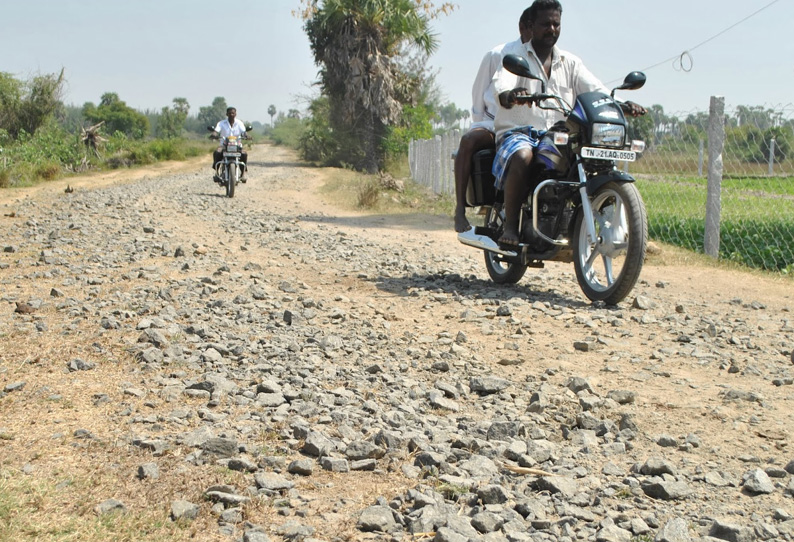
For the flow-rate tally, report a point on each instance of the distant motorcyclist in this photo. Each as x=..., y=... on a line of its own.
x=230, y=126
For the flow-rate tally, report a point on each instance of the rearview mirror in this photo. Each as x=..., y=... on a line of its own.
x=249, y=128
x=633, y=81
x=519, y=66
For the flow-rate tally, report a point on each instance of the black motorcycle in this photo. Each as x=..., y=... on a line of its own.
x=229, y=169
x=583, y=208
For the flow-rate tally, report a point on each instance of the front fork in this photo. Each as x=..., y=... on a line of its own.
x=587, y=209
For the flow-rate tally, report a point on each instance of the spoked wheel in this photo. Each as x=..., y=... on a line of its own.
x=608, y=266
x=231, y=180
x=500, y=271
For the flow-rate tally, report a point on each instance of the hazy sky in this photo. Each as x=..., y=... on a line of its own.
x=255, y=53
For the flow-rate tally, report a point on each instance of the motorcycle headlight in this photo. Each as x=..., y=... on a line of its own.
x=608, y=135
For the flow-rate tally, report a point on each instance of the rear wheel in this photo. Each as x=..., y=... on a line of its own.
x=231, y=179
x=608, y=266
x=500, y=271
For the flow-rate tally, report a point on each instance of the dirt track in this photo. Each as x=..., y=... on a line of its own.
x=704, y=332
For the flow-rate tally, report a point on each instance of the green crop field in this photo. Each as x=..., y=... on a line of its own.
x=757, y=218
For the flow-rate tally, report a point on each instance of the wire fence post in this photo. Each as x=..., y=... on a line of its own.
x=716, y=135
x=771, y=156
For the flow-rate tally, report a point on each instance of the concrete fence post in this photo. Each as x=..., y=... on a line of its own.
x=716, y=133
x=436, y=163
x=700, y=159
x=771, y=156
x=411, y=158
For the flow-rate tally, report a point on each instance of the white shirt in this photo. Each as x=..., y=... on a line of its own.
x=483, y=103
x=225, y=129
x=568, y=79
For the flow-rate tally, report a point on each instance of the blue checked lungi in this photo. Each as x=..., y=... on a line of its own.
x=512, y=141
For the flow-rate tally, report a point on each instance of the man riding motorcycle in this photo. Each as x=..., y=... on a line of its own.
x=230, y=126
x=518, y=129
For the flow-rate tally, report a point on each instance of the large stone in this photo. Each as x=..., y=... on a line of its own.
x=377, y=519
x=675, y=530
x=184, y=510
x=757, y=482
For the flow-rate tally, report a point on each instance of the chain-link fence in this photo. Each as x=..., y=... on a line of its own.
x=747, y=159
x=748, y=162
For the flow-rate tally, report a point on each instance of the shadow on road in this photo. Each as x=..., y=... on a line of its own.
x=212, y=195
x=280, y=164
x=472, y=287
x=394, y=222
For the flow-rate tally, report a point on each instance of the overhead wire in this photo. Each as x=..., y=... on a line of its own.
x=685, y=62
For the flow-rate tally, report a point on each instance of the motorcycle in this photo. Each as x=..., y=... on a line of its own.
x=228, y=170
x=583, y=209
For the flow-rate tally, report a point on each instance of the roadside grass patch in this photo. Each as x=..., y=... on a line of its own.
x=757, y=219
x=343, y=187
x=368, y=194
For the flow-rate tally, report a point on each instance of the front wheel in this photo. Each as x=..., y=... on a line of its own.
x=608, y=266
x=231, y=180
x=500, y=271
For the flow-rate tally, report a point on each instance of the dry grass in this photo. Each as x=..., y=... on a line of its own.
x=674, y=256
x=368, y=194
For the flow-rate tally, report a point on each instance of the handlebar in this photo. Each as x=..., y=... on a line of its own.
x=533, y=99
x=558, y=104
x=626, y=108
x=217, y=136
x=538, y=99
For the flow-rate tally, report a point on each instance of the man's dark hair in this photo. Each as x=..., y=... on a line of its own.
x=524, y=19
x=541, y=5
x=229, y=109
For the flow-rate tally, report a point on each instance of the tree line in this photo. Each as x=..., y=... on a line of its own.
x=749, y=131
x=376, y=94
x=41, y=137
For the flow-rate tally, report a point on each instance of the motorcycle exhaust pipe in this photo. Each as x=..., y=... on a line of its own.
x=471, y=238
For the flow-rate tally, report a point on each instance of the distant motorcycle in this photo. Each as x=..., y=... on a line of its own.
x=583, y=209
x=229, y=169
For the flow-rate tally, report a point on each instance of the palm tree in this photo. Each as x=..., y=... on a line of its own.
x=356, y=44
x=271, y=111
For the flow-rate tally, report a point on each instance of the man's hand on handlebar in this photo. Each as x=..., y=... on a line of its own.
x=630, y=108
x=509, y=98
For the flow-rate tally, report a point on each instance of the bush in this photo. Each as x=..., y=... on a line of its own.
x=166, y=149
x=369, y=194
x=415, y=124
x=119, y=160
x=49, y=171
x=288, y=132
x=318, y=143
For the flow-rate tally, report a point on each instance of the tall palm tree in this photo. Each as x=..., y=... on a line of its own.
x=271, y=111
x=355, y=43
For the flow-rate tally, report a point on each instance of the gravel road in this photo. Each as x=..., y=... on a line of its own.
x=271, y=367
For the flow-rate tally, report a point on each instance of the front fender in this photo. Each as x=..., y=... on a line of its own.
x=594, y=183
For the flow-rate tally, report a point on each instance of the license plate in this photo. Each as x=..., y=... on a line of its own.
x=232, y=154
x=608, y=154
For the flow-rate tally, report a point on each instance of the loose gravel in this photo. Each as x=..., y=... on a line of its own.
x=321, y=355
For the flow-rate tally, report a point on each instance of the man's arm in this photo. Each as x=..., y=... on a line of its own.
x=481, y=83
